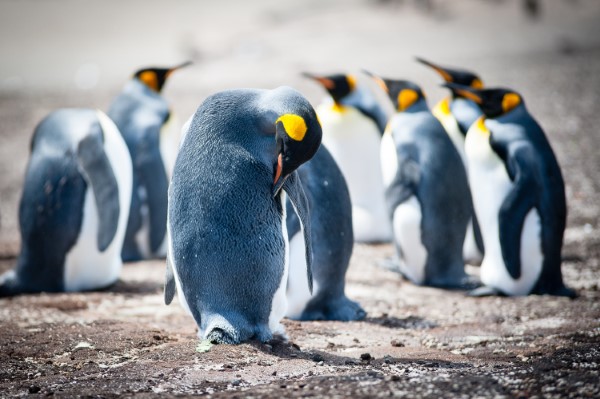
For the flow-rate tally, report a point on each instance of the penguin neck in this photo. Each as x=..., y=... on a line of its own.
x=517, y=114
x=367, y=104
x=419, y=106
x=135, y=86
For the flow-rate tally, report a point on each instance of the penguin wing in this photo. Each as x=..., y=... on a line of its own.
x=97, y=167
x=170, y=286
x=521, y=165
x=404, y=184
x=153, y=177
x=295, y=192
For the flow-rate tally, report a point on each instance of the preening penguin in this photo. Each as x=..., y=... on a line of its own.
x=332, y=243
x=457, y=113
x=519, y=197
x=426, y=191
x=74, y=207
x=228, y=255
x=146, y=123
x=352, y=127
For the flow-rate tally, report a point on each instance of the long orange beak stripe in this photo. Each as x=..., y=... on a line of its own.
x=279, y=167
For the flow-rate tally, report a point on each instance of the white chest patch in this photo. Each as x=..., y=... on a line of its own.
x=407, y=233
x=279, y=304
x=85, y=267
x=298, y=294
x=490, y=184
x=354, y=142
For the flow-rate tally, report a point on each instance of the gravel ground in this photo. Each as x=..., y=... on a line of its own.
x=416, y=341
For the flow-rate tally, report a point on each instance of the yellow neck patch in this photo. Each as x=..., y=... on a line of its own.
x=339, y=108
x=444, y=106
x=351, y=82
x=406, y=98
x=150, y=79
x=510, y=101
x=481, y=127
x=294, y=126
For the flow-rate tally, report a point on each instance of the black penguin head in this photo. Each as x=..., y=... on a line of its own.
x=458, y=76
x=155, y=78
x=493, y=102
x=297, y=138
x=338, y=86
x=403, y=93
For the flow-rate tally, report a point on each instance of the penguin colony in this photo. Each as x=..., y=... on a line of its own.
x=257, y=203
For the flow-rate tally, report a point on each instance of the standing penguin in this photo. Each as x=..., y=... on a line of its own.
x=352, y=129
x=228, y=255
x=457, y=113
x=332, y=242
x=74, y=207
x=519, y=197
x=427, y=191
x=146, y=123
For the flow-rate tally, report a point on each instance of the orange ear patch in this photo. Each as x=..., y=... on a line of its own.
x=150, y=79
x=406, y=98
x=294, y=126
x=510, y=101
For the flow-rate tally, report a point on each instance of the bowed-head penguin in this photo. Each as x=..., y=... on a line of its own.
x=457, y=113
x=228, y=253
x=353, y=123
x=427, y=191
x=144, y=119
x=332, y=244
x=519, y=197
x=74, y=207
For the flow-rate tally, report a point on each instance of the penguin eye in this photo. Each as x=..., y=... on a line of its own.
x=294, y=126
x=510, y=101
x=406, y=98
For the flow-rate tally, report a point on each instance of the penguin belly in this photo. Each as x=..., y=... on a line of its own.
x=279, y=305
x=354, y=142
x=298, y=294
x=86, y=267
x=406, y=223
x=490, y=185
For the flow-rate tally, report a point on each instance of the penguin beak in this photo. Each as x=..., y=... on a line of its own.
x=183, y=65
x=380, y=82
x=464, y=91
x=445, y=75
x=327, y=83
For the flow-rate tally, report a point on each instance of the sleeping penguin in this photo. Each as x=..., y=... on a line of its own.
x=353, y=123
x=74, y=207
x=519, y=197
x=229, y=251
x=457, y=114
x=146, y=123
x=427, y=192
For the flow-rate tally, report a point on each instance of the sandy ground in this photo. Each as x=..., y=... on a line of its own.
x=415, y=342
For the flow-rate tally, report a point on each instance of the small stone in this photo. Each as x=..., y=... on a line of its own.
x=397, y=344
x=236, y=383
x=366, y=357
x=317, y=358
x=34, y=389
x=274, y=373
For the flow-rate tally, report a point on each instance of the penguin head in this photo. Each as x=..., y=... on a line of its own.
x=403, y=93
x=338, y=86
x=297, y=137
x=155, y=78
x=458, y=76
x=493, y=102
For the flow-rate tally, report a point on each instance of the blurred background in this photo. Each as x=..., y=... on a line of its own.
x=79, y=53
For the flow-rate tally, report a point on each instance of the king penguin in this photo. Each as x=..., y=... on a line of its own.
x=228, y=253
x=352, y=127
x=519, y=197
x=332, y=244
x=147, y=125
x=427, y=191
x=74, y=207
x=457, y=113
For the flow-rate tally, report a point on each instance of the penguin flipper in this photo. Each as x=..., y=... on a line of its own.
x=404, y=184
x=97, y=167
x=170, y=286
x=153, y=177
x=295, y=192
x=517, y=204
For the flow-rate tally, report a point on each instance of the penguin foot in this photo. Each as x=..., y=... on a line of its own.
x=485, y=290
x=466, y=282
x=342, y=309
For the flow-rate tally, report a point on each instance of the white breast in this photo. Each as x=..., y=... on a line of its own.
x=407, y=233
x=354, y=142
x=298, y=294
x=490, y=184
x=279, y=304
x=85, y=267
